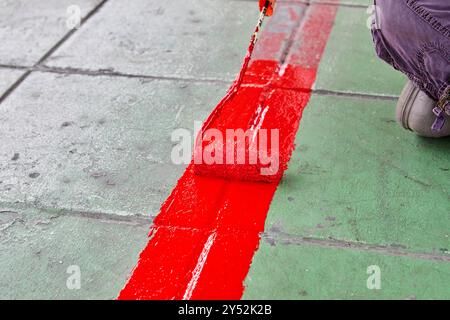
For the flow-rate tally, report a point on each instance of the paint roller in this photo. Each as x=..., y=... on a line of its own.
x=240, y=140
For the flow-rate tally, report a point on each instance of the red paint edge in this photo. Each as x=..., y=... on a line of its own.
x=203, y=241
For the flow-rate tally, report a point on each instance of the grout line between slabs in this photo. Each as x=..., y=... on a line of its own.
x=28, y=71
x=107, y=73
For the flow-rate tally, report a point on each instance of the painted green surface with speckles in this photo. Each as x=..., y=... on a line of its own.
x=37, y=248
x=83, y=158
x=308, y=272
x=350, y=64
x=109, y=152
x=189, y=39
x=356, y=175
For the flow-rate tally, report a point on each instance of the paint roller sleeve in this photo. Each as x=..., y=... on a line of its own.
x=251, y=137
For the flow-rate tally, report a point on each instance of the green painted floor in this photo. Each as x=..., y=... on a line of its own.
x=85, y=154
x=359, y=191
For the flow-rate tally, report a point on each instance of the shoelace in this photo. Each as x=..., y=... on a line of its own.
x=441, y=110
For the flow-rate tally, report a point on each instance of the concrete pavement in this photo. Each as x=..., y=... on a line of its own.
x=85, y=146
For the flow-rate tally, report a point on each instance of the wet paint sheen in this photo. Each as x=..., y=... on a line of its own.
x=203, y=240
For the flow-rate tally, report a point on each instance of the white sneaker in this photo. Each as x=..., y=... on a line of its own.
x=416, y=112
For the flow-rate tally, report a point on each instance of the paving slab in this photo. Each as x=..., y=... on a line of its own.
x=357, y=176
x=188, y=39
x=29, y=29
x=350, y=64
x=96, y=144
x=41, y=251
x=7, y=78
x=311, y=272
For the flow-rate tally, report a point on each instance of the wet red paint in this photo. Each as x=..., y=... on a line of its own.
x=203, y=241
x=264, y=109
x=270, y=7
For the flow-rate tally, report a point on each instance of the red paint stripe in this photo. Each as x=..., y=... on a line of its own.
x=203, y=241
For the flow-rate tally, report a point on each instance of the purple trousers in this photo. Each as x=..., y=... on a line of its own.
x=414, y=37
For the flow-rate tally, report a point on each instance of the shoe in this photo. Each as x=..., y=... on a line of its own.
x=415, y=113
